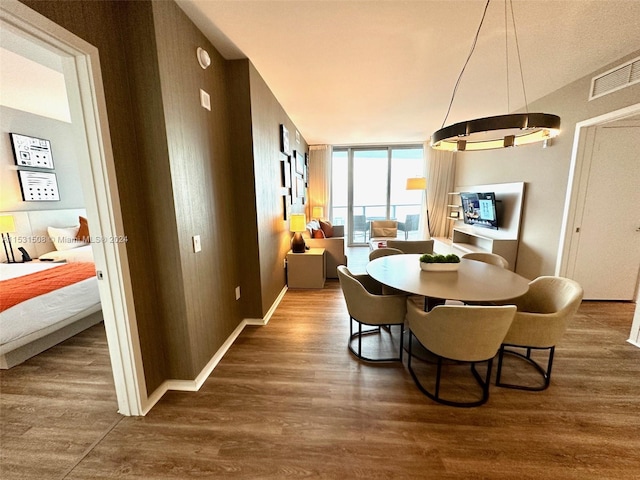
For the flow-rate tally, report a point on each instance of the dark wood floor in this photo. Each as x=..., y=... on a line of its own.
x=289, y=401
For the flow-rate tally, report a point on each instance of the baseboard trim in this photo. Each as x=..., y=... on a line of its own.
x=194, y=385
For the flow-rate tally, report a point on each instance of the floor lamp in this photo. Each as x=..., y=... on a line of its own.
x=420, y=183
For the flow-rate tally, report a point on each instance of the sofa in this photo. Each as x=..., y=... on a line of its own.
x=333, y=245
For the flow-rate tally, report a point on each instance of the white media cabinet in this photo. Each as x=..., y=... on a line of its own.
x=504, y=241
x=467, y=240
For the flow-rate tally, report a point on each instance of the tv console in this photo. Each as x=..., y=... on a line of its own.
x=467, y=238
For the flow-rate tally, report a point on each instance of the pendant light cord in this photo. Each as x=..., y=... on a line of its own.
x=515, y=34
x=473, y=47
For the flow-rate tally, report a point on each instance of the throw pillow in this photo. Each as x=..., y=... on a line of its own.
x=83, y=231
x=64, y=238
x=318, y=234
x=327, y=228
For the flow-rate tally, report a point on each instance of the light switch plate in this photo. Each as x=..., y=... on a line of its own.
x=237, y=293
x=205, y=100
x=196, y=244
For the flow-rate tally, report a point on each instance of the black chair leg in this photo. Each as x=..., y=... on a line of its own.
x=435, y=396
x=544, y=372
x=376, y=329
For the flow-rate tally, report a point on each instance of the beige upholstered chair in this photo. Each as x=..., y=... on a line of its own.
x=469, y=334
x=542, y=318
x=383, y=252
x=488, y=257
x=383, y=230
x=366, y=305
x=412, y=246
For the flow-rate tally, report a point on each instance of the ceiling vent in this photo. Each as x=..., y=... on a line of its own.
x=615, y=79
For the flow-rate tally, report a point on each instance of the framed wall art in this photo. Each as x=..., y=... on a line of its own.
x=299, y=159
x=285, y=171
x=284, y=140
x=38, y=186
x=299, y=187
x=31, y=151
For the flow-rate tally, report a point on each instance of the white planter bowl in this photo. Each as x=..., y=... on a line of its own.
x=439, y=267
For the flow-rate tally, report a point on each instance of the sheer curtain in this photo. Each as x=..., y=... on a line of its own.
x=320, y=178
x=440, y=169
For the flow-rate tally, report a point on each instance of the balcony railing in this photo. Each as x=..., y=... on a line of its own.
x=370, y=212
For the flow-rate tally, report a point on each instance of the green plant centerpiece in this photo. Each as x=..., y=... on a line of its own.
x=433, y=262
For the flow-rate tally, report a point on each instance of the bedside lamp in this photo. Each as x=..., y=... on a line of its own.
x=7, y=225
x=297, y=224
x=317, y=212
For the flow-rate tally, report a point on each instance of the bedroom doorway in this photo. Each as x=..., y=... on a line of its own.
x=581, y=237
x=81, y=68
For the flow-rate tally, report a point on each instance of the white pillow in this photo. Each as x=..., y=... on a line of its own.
x=65, y=238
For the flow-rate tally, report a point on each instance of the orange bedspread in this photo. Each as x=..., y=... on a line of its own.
x=16, y=290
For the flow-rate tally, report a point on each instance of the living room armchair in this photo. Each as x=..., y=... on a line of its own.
x=381, y=231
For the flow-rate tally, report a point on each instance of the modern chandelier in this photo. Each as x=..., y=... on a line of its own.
x=499, y=131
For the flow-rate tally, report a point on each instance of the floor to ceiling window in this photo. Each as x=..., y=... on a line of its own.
x=369, y=183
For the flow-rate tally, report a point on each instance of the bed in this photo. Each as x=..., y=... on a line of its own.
x=61, y=308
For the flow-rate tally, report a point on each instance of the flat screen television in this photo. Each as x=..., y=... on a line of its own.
x=479, y=209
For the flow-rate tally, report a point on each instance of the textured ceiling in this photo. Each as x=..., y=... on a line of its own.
x=366, y=72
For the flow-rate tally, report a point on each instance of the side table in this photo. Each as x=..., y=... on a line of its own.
x=306, y=270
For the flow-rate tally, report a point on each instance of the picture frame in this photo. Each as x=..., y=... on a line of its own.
x=285, y=171
x=38, y=186
x=299, y=159
x=284, y=140
x=286, y=207
x=31, y=151
x=299, y=187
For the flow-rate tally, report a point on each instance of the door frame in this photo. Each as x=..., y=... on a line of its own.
x=101, y=195
x=574, y=199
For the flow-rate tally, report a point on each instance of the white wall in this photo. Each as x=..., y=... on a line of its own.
x=545, y=171
x=61, y=136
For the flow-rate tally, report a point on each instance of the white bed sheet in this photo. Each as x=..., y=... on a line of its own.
x=45, y=310
x=80, y=254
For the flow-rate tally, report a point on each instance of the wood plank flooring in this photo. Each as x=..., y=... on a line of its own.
x=289, y=401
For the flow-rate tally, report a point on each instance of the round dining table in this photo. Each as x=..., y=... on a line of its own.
x=473, y=282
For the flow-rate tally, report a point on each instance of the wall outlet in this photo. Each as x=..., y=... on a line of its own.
x=285, y=263
x=237, y=293
x=196, y=244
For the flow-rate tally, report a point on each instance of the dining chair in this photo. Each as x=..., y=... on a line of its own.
x=454, y=335
x=367, y=306
x=383, y=252
x=412, y=246
x=488, y=257
x=542, y=318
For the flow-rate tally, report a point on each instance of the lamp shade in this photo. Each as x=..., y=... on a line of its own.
x=317, y=212
x=7, y=224
x=298, y=222
x=416, y=183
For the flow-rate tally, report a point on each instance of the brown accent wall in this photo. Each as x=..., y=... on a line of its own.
x=184, y=171
x=274, y=238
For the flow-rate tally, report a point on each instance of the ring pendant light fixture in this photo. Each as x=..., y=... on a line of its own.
x=499, y=131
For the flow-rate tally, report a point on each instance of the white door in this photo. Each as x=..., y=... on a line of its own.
x=607, y=259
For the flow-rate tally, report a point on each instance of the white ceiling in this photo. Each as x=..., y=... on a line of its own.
x=365, y=71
